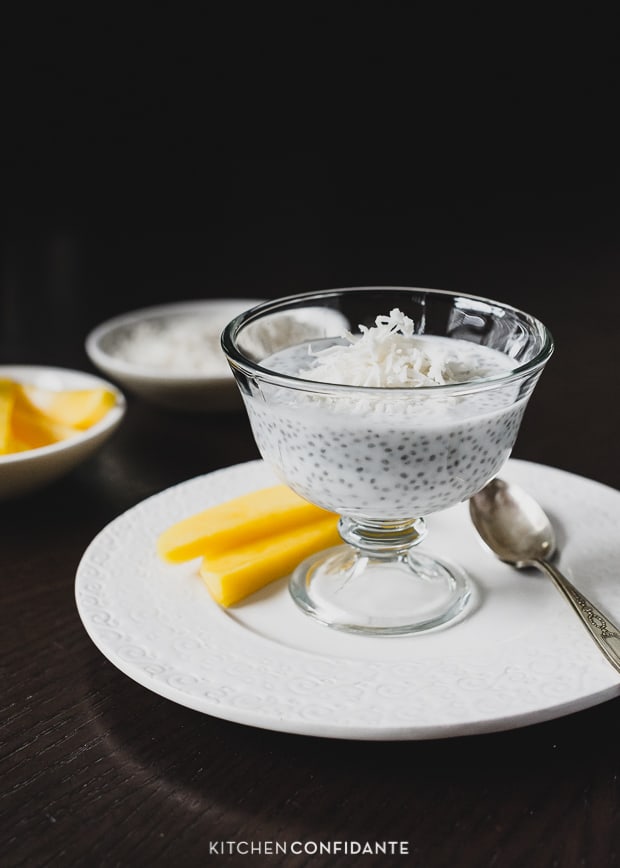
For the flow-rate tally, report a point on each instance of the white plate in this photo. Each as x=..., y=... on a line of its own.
x=519, y=656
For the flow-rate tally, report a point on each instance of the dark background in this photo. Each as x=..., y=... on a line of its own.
x=151, y=156
x=156, y=157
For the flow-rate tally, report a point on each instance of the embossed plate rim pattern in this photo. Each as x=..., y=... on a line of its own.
x=519, y=657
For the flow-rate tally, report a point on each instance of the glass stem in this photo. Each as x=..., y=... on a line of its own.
x=385, y=539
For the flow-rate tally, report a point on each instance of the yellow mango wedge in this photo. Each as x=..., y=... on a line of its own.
x=234, y=575
x=7, y=399
x=237, y=522
x=35, y=430
x=75, y=408
x=31, y=417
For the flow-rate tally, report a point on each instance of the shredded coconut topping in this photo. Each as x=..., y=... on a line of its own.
x=180, y=345
x=389, y=355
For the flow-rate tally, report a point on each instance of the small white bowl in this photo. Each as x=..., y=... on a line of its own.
x=162, y=382
x=22, y=472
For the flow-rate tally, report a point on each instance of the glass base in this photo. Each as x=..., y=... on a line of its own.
x=347, y=589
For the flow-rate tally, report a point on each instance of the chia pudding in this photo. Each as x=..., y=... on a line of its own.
x=392, y=445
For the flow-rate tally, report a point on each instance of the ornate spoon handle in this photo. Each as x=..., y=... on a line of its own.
x=604, y=632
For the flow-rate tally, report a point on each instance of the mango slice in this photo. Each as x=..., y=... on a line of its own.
x=31, y=417
x=7, y=400
x=237, y=522
x=235, y=574
x=35, y=430
x=76, y=408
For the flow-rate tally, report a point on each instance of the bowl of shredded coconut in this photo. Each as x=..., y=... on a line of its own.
x=170, y=355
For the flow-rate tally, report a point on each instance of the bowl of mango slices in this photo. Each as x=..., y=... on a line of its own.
x=51, y=419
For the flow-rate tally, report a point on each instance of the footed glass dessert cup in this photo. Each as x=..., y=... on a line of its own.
x=384, y=405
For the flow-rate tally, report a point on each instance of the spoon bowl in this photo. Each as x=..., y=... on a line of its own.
x=512, y=524
x=518, y=532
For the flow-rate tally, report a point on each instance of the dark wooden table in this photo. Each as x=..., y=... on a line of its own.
x=97, y=770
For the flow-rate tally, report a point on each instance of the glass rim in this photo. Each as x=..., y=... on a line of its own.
x=239, y=360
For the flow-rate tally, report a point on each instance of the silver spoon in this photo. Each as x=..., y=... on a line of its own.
x=517, y=530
